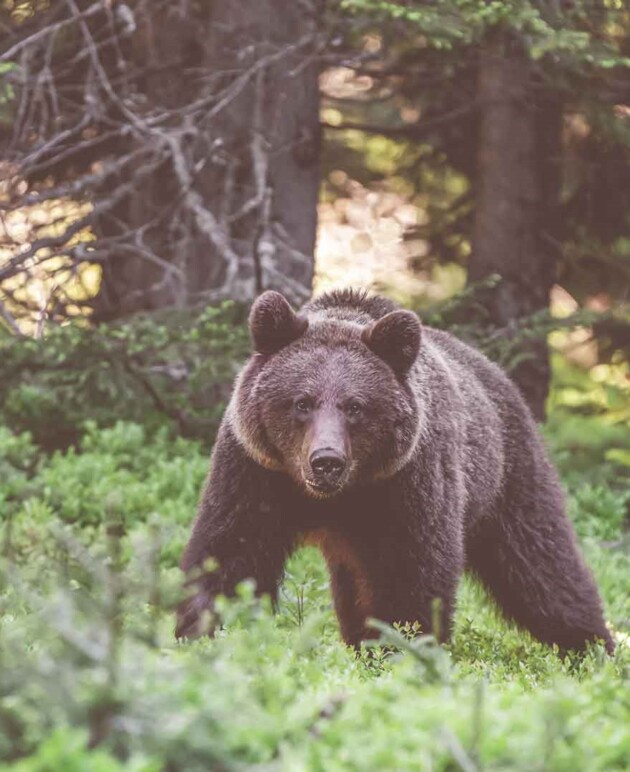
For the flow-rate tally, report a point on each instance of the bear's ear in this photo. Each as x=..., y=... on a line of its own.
x=273, y=324
x=396, y=339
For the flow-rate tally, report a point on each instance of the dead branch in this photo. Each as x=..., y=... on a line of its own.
x=94, y=123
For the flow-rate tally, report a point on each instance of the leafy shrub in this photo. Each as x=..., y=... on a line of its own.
x=176, y=368
x=587, y=428
x=171, y=368
x=137, y=475
x=117, y=468
x=466, y=316
x=67, y=748
x=599, y=512
x=92, y=679
x=18, y=462
x=90, y=676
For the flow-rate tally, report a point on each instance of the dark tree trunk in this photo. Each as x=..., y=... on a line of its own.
x=271, y=135
x=517, y=194
x=231, y=207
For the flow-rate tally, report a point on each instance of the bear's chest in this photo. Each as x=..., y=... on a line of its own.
x=359, y=512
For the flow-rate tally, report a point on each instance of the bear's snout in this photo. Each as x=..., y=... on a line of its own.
x=327, y=464
x=326, y=471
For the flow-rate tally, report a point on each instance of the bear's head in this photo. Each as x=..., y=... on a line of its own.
x=328, y=401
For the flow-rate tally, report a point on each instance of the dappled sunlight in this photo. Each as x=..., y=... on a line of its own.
x=363, y=242
x=48, y=282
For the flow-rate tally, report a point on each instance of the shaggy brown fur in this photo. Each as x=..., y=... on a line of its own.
x=406, y=456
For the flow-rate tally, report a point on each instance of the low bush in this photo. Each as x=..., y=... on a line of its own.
x=91, y=678
x=171, y=368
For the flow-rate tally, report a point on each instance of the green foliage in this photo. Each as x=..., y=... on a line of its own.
x=466, y=316
x=567, y=35
x=67, y=749
x=147, y=478
x=90, y=537
x=588, y=424
x=91, y=679
x=173, y=367
x=599, y=512
x=176, y=369
x=7, y=94
x=18, y=462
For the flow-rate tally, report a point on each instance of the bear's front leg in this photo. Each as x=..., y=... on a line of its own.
x=413, y=552
x=414, y=580
x=241, y=526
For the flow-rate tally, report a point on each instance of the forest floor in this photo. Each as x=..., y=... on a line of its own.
x=91, y=678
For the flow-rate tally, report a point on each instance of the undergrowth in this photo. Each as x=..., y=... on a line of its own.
x=91, y=678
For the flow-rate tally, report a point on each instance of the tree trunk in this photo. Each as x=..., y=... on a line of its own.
x=230, y=208
x=516, y=203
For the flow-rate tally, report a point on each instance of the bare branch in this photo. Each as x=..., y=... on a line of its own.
x=51, y=29
x=97, y=121
x=408, y=131
x=9, y=319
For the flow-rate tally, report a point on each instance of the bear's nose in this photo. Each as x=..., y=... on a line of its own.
x=327, y=463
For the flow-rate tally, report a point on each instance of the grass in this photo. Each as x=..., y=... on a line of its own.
x=91, y=678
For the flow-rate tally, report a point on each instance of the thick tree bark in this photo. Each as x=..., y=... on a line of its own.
x=271, y=135
x=516, y=202
x=231, y=208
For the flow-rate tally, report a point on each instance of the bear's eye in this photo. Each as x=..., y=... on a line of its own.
x=354, y=409
x=304, y=405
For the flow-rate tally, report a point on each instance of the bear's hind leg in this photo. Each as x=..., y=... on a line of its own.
x=528, y=558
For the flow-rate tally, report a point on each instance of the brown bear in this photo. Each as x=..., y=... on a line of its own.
x=406, y=457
